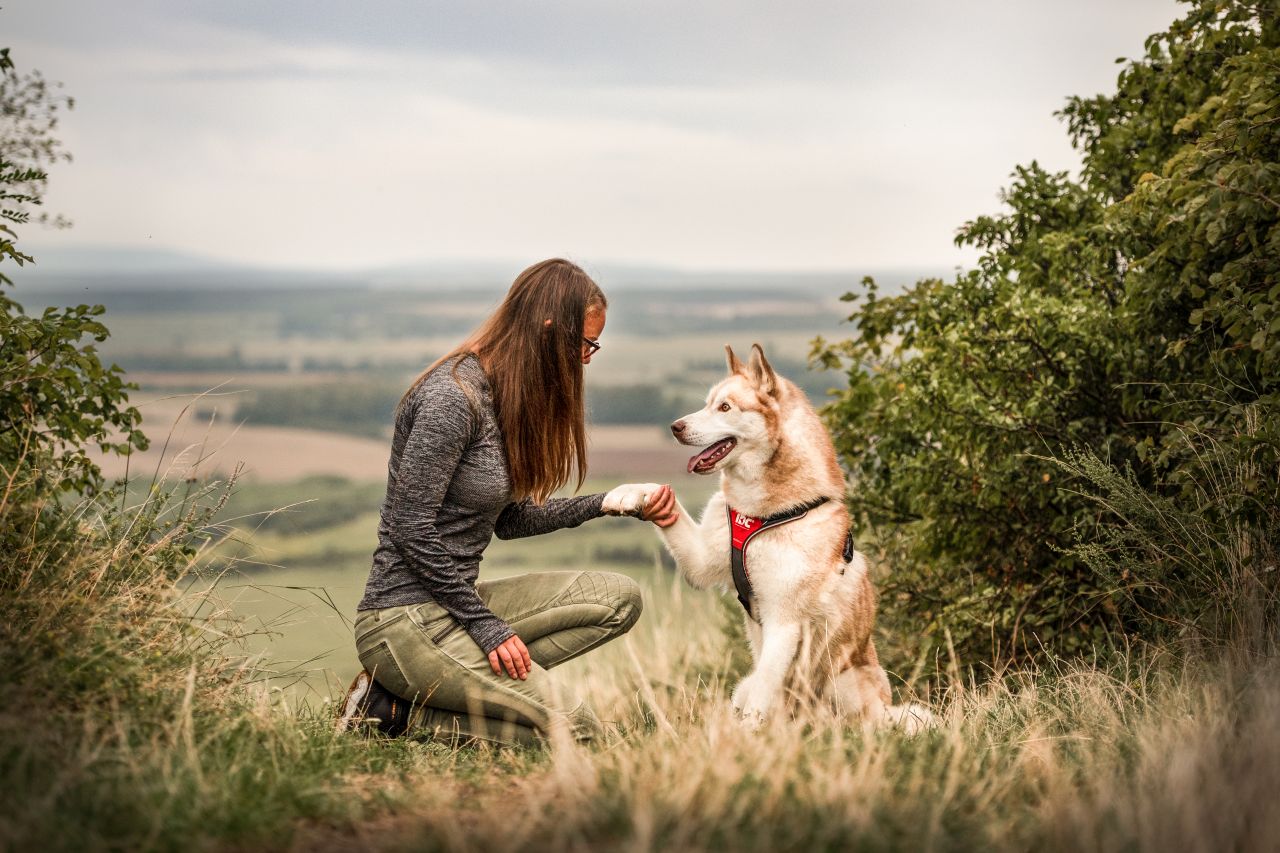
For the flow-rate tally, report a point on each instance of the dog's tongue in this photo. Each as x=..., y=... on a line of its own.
x=709, y=457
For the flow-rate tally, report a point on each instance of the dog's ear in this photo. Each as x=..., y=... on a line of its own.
x=761, y=371
x=735, y=366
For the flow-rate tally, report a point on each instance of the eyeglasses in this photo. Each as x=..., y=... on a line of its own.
x=593, y=346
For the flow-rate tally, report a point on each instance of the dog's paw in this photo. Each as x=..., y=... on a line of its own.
x=629, y=498
x=739, y=695
x=751, y=721
x=912, y=718
x=752, y=703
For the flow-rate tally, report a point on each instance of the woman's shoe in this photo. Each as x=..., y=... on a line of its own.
x=367, y=701
x=351, y=710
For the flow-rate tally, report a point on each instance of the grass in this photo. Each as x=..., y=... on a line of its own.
x=1067, y=760
x=132, y=724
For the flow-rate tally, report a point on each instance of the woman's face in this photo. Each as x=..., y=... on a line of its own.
x=592, y=326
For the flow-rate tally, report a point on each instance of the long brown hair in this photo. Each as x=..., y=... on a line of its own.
x=535, y=373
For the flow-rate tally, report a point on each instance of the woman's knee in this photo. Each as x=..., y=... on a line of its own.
x=623, y=595
x=633, y=603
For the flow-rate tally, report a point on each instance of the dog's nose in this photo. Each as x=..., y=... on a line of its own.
x=677, y=428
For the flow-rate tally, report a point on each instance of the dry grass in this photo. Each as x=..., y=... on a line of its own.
x=1185, y=758
x=131, y=725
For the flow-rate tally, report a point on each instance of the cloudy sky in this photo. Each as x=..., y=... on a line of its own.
x=702, y=134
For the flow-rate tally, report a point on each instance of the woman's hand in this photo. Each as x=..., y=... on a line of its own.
x=513, y=657
x=651, y=501
x=661, y=507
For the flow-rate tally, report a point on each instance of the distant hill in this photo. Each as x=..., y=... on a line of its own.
x=91, y=270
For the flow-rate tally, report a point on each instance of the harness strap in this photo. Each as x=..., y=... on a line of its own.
x=743, y=528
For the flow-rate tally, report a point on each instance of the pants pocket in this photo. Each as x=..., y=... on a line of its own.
x=434, y=621
x=386, y=670
x=366, y=627
x=442, y=628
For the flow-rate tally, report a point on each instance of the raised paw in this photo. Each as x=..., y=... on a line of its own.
x=629, y=498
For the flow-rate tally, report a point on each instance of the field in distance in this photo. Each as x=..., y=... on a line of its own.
x=212, y=443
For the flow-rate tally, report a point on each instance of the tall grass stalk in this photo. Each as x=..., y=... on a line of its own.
x=1197, y=561
x=130, y=716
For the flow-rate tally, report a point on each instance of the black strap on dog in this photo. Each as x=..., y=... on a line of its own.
x=743, y=528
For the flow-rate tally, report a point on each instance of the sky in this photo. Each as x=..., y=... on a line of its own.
x=721, y=134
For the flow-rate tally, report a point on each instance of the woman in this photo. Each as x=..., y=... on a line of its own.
x=482, y=438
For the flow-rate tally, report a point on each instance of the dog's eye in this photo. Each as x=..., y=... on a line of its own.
x=724, y=407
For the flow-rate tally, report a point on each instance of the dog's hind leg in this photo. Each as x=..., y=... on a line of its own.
x=862, y=691
x=911, y=717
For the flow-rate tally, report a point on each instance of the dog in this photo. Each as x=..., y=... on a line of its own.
x=808, y=599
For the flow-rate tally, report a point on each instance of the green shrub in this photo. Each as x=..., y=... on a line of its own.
x=1115, y=313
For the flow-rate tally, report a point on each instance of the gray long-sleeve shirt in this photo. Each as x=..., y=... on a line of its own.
x=448, y=492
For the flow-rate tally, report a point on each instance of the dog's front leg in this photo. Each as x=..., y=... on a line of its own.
x=701, y=565
x=761, y=692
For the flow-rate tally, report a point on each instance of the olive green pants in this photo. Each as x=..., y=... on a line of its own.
x=423, y=654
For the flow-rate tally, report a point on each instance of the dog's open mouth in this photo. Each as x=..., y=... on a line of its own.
x=705, y=461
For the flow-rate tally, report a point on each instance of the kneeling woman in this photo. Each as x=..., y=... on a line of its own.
x=482, y=439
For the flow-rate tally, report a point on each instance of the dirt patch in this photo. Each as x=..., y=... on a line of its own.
x=269, y=453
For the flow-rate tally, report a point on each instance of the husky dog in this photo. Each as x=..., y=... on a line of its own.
x=810, y=606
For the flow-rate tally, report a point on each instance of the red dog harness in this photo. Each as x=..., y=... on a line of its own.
x=743, y=528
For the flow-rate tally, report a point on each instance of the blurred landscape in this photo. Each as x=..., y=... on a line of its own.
x=293, y=378
x=335, y=355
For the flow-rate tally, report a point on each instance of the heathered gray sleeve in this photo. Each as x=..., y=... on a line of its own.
x=440, y=434
x=525, y=518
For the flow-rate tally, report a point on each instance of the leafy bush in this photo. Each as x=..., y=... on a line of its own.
x=55, y=395
x=1117, y=312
